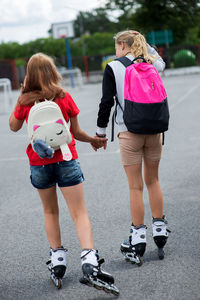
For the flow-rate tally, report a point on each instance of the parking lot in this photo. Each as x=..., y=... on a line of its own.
x=24, y=247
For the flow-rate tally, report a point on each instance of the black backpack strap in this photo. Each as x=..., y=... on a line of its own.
x=163, y=138
x=114, y=117
x=113, y=123
x=124, y=60
x=139, y=57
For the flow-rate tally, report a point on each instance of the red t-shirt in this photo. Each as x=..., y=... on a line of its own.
x=69, y=110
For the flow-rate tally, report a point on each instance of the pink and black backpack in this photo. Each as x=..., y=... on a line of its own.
x=145, y=100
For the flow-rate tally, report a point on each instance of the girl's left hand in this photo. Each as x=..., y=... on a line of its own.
x=99, y=142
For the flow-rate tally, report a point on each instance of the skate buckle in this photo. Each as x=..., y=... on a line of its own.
x=133, y=257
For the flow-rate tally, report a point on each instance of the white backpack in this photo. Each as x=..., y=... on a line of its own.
x=46, y=123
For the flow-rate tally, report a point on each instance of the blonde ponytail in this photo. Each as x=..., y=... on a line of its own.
x=139, y=48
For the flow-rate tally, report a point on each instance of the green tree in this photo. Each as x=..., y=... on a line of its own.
x=95, y=21
x=10, y=50
x=146, y=15
x=99, y=43
x=95, y=44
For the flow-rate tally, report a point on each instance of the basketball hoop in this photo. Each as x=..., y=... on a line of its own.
x=65, y=30
x=62, y=30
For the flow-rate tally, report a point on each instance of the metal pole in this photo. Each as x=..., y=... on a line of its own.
x=69, y=61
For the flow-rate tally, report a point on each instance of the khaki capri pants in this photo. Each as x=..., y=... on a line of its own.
x=135, y=147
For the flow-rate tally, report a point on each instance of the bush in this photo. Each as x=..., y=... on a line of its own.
x=184, y=58
x=20, y=62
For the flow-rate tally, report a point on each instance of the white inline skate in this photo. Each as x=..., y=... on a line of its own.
x=93, y=275
x=160, y=234
x=133, y=248
x=57, y=265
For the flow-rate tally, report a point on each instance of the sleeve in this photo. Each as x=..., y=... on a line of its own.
x=107, y=100
x=159, y=63
x=72, y=109
x=20, y=112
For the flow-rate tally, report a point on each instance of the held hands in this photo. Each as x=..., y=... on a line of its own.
x=99, y=142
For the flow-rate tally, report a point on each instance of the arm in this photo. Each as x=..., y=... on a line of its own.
x=107, y=100
x=14, y=123
x=80, y=135
x=159, y=63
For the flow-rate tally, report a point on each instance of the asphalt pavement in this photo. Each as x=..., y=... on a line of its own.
x=24, y=247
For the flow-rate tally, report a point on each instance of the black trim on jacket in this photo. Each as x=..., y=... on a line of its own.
x=107, y=100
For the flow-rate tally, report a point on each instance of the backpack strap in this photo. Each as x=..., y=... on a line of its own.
x=163, y=138
x=139, y=57
x=127, y=62
x=114, y=117
x=124, y=60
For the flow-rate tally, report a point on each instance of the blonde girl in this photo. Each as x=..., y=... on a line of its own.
x=135, y=148
x=42, y=82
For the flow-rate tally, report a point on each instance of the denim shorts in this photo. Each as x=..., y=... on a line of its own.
x=64, y=173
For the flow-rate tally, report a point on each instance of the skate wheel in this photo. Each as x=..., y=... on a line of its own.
x=98, y=287
x=59, y=284
x=127, y=259
x=114, y=290
x=140, y=263
x=106, y=290
x=161, y=253
x=115, y=293
x=56, y=281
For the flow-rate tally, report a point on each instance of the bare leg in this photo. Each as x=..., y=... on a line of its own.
x=134, y=174
x=153, y=186
x=74, y=197
x=51, y=216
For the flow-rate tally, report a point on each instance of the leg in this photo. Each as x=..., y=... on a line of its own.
x=134, y=248
x=152, y=182
x=131, y=149
x=135, y=181
x=91, y=265
x=51, y=216
x=159, y=223
x=74, y=197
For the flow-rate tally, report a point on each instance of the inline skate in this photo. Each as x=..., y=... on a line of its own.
x=57, y=265
x=133, y=248
x=160, y=234
x=93, y=275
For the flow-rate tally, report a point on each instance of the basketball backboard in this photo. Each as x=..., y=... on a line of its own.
x=62, y=30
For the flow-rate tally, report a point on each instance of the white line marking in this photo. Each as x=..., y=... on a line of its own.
x=185, y=96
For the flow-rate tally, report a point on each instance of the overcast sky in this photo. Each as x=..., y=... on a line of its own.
x=26, y=20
